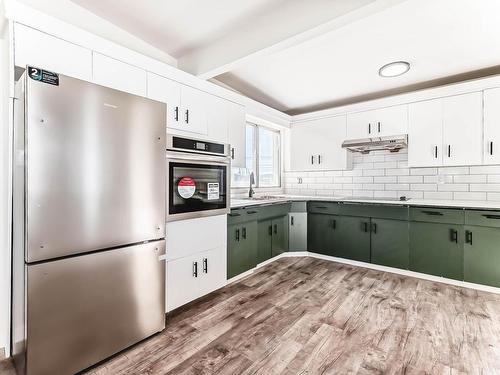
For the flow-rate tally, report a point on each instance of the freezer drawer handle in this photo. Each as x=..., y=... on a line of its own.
x=432, y=213
x=195, y=269
x=205, y=265
x=494, y=217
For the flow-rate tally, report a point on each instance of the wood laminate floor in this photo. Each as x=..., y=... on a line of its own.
x=310, y=316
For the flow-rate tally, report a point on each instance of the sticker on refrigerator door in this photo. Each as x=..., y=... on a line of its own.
x=212, y=191
x=186, y=187
x=44, y=76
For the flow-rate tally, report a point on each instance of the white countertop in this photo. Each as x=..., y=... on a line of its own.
x=487, y=205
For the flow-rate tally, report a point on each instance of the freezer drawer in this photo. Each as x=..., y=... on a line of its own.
x=83, y=309
x=95, y=168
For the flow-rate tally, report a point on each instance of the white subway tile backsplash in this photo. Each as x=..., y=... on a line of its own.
x=382, y=174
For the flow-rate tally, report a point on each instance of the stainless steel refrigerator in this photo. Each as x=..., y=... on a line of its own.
x=89, y=222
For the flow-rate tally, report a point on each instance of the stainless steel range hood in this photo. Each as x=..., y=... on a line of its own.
x=365, y=145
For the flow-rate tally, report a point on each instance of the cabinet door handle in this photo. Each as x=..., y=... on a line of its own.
x=319, y=159
x=365, y=225
x=275, y=229
x=291, y=220
x=237, y=235
x=491, y=148
x=270, y=230
x=312, y=159
x=187, y=116
x=176, y=113
x=205, y=265
x=468, y=237
x=436, y=152
x=454, y=235
x=449, y=151
x=244, y=233
x=432, y=213
x=334, y=224
x=252, y=212
x=379, y=127
x=195, y=269
x=232, y=153
x=374, y=228
x=369, y=128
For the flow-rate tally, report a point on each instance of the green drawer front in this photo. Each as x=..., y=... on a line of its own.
x=298, y=207
x=395, y=212
x=437, y=215
x=273, y=210
x=323, y=207
x=242, y=215
x=483, y=218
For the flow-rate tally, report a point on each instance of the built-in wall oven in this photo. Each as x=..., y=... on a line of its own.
x=198, y=178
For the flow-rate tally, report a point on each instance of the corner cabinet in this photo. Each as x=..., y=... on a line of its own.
x=317, y=145
x=446, y=131
x=378, y=123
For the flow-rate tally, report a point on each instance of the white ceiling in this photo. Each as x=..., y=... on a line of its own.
x=303, y=55
x=439, y=38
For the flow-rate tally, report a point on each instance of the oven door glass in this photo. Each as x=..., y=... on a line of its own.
x=196, y=187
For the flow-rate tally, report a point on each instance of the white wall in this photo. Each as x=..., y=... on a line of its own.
x=4, y=184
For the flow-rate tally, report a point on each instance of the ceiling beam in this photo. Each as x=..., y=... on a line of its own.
x=288, y=24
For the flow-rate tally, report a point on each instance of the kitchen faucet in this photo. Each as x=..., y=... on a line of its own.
x=252, y=181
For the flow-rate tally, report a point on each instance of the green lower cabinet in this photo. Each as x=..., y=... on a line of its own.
x=351, y=238
x=437, y=249
x=265, y=246
x=390, y=243
x=242, y=248
x=482, y=255
x=320, y=233
x=280, y=235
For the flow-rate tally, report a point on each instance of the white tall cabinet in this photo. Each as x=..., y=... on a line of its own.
x=446, y=131
x=317, y=144
x=492, y=126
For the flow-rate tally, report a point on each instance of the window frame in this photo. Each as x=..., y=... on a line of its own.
x=256, y=154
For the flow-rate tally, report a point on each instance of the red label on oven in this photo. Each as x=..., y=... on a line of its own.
x=186, y=187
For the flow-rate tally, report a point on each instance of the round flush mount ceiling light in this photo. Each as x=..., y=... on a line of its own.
x=394, y=69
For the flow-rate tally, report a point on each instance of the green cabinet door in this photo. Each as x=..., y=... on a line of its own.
x=390, y=243
x=242, y=248
x=352, y=238
x=437, y=249
x=320, y=233
x=280, y=235
x=265, y=242
x=482, y=255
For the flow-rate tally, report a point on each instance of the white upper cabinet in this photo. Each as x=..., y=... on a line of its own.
x=462, y=129
x=118, y=75
x=193, y=117
x=492, y=126
x=217, y=118
x=166, y=91
x=446, y=131
x=378, y=123
x=44, y=51
x=317, y=145
x=236, y=123
x=425, y=133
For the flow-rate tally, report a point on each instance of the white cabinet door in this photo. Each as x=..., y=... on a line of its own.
x=297, y=225
x=390, y=121
x=118, y=75
x=317, y=144
x=425, y=133
x=217, y=119
x=236, y=122
x=492, y=126
x=183, y=281
x=166, y=91
x=44, y=51
x=462, y=129
x=193, y=116
x=360, y=125
x=213, y=273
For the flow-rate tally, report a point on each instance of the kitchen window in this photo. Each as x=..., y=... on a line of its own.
x=262, y=158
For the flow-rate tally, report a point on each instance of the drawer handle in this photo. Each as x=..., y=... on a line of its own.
x=234, y=215
x=494, y=217
x=252, y=212
x=454, y=235
x=321, y=207
x=432, y=213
